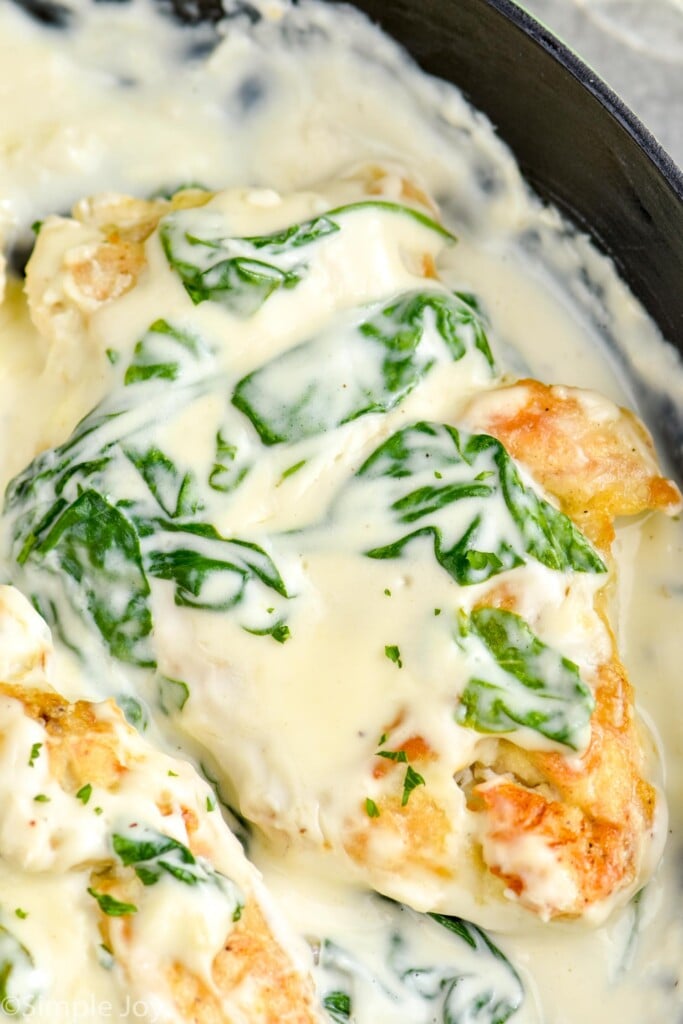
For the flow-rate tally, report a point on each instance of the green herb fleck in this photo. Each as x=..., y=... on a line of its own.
x=371, y=808
x=98, y=810
x=41, y=798
x=393, y=654
x=387, y=592
x=84, y=793
x=210, y=803
x=411, y=780
x=293, y=469
x=35, y=751
x=399, y=756
x=112, y=907
x=113, y=355
x=21, y=914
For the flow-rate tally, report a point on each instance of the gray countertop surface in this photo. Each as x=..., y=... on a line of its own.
x=636, y=46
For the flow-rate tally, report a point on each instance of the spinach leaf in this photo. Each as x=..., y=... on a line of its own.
x=163, y=353
x=152, y=854
x=242, y=273
x=176, y=492
x=521, y=682
x=295, y=236
x=399, y=209
x=279, y=631
x=229, y=469
x=96, y=521
x=467, y=994
x=173, y=695
x=211, y=582
x=97, y=547
x=367, y=368
x=471, y=981
x=239, y=273
x=401, y=325
x=134, y=712
x=338, y=1006
x=464, y=493
x=20, y=981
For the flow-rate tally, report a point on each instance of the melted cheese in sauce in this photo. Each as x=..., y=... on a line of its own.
x=247, y=113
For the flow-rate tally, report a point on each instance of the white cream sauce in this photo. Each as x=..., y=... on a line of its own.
x=263, y=106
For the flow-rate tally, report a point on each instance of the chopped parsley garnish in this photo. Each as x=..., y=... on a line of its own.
x=210, y=803
x=21, y=914
x=393, y=654
x=411, y=780
x=399, y=756
x=84, y=793
x=35, y=751
x=112, y=907
x=41, y=798
x=371, y=808
x=387, y=592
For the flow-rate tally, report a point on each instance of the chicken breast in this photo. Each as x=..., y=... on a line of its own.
x=375, y=571
x=162, y=892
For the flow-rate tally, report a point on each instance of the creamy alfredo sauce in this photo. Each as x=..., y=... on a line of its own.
x=261, y=104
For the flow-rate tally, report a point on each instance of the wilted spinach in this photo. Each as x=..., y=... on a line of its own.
x=241, y=273
x=20, y=981
x=96, y=520
x=525, y=684
x=464, y=493
x=336, y=378
x=92, y=544
x=163, y=353
x=473, y=983
x=152, y=854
